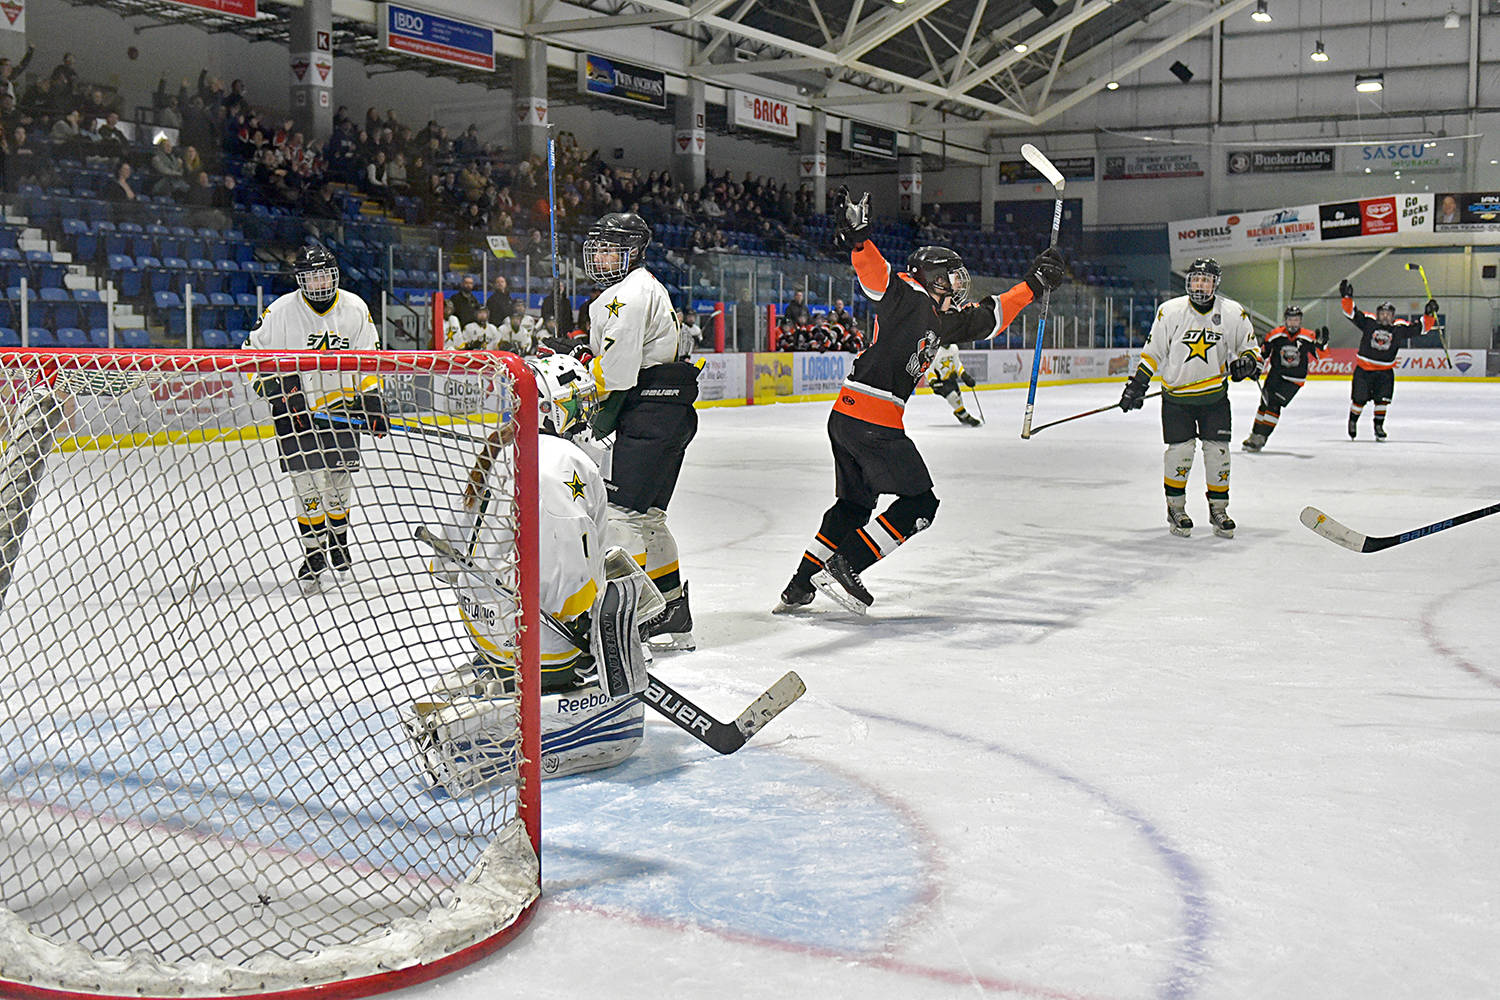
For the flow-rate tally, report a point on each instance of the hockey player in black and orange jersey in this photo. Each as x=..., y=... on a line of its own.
x=1287, y=351
x=917, y=311
x=1381, y=336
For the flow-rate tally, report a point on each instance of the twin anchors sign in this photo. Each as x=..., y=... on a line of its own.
x=690, y=141
x=315, y=68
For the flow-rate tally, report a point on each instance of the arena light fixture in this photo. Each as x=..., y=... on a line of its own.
x=1450, y=19
x=1021, y=47
x=1369, y=83
x=1112, y=85
x=1261, y=14
x=1319, y=54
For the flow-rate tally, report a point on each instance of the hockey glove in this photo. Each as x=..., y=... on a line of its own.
x=288, y=406
x=968, y=379
x=582, y=354
x=851, y=220
x=1134, y=396
x=1243, y=367
x=1046, y=272
x=1322, y=337
x=1431, y=308
x=371, y=408
x=1346, y=289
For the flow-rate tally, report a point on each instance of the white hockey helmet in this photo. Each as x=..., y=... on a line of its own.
x=564, y=393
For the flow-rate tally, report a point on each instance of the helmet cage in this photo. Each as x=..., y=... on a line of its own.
x=1202, y=286
x=607, y=274
x=1289, y=314
x=1386, y=312
x=319, y=284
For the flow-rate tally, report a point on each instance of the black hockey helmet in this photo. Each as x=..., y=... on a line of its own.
x=317, y=273
x=942, y=273
x=623, y=235
x=1209, y=270
x=1385, y=312
x=1290, y=313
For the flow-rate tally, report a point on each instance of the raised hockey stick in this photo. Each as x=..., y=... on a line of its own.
x=1341, y=534
x=721, y=737
x=1442, y=337
x=1088, y=413
x=1043, y=166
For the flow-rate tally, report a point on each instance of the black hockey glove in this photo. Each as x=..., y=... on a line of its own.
x=1134, y=396
x=288, y=406
x=582, y=354
x=1046, y=272
x=1322, y=337
x=967, y=379
x=851, y=220
x=1431, y=308
x=1346, y=289
x=371, y=408
x=1243, y=367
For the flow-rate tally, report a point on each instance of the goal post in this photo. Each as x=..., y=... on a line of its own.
x=215, y=775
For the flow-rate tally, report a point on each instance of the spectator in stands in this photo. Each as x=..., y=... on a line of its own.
x=67, y=138
x=500, y=305
x=557, y=312
x=395, y=174
x=465, y=304
x=168, y=169
x=64, y=77
x=111, y=139
x=796, y=310
x=200, y=194
x=224, y=194
x=119, y=189
x=474, y=218
x=95, y=107
x=376, y=182
x=38, y=100
x=468, y=146
x=192, y=163
x=690, y=328
x=235, y=101
x=841, y=315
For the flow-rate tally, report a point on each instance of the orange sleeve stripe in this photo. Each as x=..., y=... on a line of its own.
x=1012, y=302
x=870, y=267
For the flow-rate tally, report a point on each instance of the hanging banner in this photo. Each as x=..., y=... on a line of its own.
x=1388, y=157
x=432, y=36
x=1385, y=216
x=604, y=76
x=1151, y=166
x=872, y=140
x=1245, y=231
x=1280, y=161
x=1073, y=168
x=747, y=110
x=1467, y=212
x=531, y=111
x=500, y=246
x=234, y=8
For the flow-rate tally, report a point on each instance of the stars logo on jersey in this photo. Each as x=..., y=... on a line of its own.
x=327, y=340
x=1200, y=341
x=1224, y=476
x=575, y=486
x=614, y=306
x=311, y=505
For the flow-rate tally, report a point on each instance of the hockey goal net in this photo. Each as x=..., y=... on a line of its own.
x=213, y=776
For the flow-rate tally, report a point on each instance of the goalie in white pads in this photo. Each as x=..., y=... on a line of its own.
x=318, y=415
x=592, y=658
x=1196, y=340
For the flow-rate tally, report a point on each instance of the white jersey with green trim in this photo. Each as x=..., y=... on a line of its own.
x=632, y=326
x=571, y=535
x=290, y=324
x=1190, y=349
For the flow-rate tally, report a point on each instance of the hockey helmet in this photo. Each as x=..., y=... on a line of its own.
x=317, y=273
x=564, y=393
x=1385, y=312
x=1203, y=277
x=615, y=245
x=1292, y=313
x=942, y=273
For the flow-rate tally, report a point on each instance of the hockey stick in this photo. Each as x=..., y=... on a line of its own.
x=977, y=408
x=1088, y=413
x=1350, y=539
x=721, y=737
x=409, y=426
x=1442, y=337
x=1043, y=166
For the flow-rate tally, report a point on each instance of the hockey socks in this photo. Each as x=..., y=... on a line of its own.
x=902, y=519
x=839, y=522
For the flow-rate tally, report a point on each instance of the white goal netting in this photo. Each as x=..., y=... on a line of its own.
x=211, y=770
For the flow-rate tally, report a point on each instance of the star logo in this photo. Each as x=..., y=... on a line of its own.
x=1224, y=476
x=1198, y=349
x=310, y=505
x=575, y=486
x=614, y=306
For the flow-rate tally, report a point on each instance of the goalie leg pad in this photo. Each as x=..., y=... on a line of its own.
x=614, y=637
x=618, y=565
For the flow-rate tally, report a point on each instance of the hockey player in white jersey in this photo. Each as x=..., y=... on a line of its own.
x=319, y=415
x=943, y=378
x=646, y=393
x=588, y=721
x=1196, y=340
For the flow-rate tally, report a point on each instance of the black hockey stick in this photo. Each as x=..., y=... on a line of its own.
x=409, y=426
x=973, y=391
x=1089, y=413
x=722, y=737
x=1343, y=535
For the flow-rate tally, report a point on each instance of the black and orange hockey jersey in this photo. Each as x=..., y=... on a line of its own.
x=907, y=332
x=1379, y=342
x=1288, y=352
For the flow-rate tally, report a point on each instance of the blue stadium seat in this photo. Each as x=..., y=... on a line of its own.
x=9, y=337
x=45, y=272
x=90, y=305
x=71, y=336
x=39, y=336
x=99, y=337
x=56, y=308
x=134, y=338
x=213, y=339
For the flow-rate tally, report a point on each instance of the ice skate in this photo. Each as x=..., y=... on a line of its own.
x=309, y=574
x=1178, y=521
x=1255, y=442
x=339, y=559
x=1380, y=434
x=968, y=419
x=1218, y=515
x=673, y=628
x=840, y=582
x=796, y=595
x=1353, y=428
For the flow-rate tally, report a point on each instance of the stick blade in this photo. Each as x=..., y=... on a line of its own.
x=1340, y=534
x=1042, y=165
x=770, y=704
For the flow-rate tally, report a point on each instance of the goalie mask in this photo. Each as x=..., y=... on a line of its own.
x=1291, y=318
x=942, y=273
x=564, y=394
x=1203, y=277
x=317, y=273
x=616, y=245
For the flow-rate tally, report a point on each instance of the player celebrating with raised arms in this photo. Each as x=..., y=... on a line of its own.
x=1194, y=342
x=318, y=415
x=1286, y=354
x=917, y=311
x=1380, y=337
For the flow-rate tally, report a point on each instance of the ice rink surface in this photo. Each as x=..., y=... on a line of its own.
x=1066, y=755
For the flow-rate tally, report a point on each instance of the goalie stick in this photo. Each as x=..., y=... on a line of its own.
x=721, y=737
x=1341, y=534
x=1043, y=166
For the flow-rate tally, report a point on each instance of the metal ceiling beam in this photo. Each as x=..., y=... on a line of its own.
x=598, y=23
x=888, y=25
x=709, y=71
x=963, y=53
x=1083, y=13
